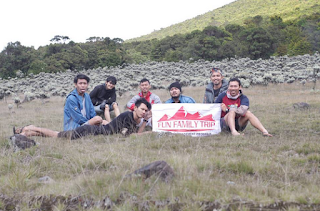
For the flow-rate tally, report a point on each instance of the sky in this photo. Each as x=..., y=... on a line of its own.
x=36, y=22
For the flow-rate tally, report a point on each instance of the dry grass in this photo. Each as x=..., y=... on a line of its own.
x=219, y=168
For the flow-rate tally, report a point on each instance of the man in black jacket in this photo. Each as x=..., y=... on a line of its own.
x=104, y=97
x=126, y=124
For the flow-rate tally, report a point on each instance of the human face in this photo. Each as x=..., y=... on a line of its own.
x=234, y=88
x=109, y=85
x=175, y=92
x=145, y=87
x=81, y=86
x=141, y=110
x=216, y=78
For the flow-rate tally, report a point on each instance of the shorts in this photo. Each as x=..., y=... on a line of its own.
x=85, y=130
x=98, y=110
x=224, y=126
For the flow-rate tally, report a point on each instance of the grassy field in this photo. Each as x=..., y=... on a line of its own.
x=218, y=172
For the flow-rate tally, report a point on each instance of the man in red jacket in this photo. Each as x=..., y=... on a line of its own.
x=145, y=93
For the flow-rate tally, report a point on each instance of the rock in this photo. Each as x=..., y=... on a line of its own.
x=18, y=142
x=301, y=105
x=10, y=106
x=158, y=168
x=45, y=179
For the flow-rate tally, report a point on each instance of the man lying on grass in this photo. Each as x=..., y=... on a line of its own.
x=126, y=123
x=234, y=110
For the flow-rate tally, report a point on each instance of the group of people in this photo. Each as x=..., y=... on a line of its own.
x=81, y=108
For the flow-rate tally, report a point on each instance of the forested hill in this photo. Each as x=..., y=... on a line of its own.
x=237, y=12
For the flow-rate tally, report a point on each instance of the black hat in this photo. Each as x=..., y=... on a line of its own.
x=175, y=84
x=112, y=79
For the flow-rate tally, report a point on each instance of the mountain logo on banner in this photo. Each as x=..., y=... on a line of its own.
x=184, y=122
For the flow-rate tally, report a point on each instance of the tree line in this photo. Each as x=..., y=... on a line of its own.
x=256, y=38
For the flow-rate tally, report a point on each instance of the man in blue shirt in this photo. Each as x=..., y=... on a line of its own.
x=176, y=96
x=78, y=109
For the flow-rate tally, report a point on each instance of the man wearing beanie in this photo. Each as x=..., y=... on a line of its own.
x=176, y=96
x=104, y=97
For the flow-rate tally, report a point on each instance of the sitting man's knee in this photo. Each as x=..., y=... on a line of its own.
x=249, y=114
x=232, y=113
x=115, y=105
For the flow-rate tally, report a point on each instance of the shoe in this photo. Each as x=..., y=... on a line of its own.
x=15, y=130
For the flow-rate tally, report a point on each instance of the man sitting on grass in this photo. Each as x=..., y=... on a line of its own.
x=126, y=123
x=235, y=114
x=104, y=97
x=78, y=109
x=145, y=93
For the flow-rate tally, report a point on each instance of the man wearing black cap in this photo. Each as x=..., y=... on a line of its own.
x=104, y=97
x=176, y=96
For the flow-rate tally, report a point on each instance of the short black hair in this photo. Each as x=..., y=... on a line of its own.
x=81, y=76
x=112, y=79
x=235, y=79
x=144, y=80
x=144, y=101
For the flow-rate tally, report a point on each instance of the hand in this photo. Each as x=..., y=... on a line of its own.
x=147, y=115
x=223, y=107
x=105, y=122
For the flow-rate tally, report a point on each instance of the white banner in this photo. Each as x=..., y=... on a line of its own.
x=193, y=119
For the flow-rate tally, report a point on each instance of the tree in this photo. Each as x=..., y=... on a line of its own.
x=59, y=38
x=15, y=57
x=259, y=42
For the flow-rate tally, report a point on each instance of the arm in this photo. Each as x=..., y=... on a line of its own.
x=157, y=99
x=147, y=116
x=243, y=108
x=191, y=100
x=206, y=96
x=131, y=103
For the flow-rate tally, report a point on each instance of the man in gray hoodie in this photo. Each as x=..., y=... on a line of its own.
x=217, y=85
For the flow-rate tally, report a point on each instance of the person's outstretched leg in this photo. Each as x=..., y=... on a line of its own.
x=32, y=130
x=255, y=122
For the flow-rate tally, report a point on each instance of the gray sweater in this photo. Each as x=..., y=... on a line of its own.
x=209, y=93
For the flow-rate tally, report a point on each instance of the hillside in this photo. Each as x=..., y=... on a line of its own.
x=237, y=12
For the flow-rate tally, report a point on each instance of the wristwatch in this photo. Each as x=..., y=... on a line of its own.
x=227, y=110
x=145, y=120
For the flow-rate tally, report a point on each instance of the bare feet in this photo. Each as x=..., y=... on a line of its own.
x=236, y=133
